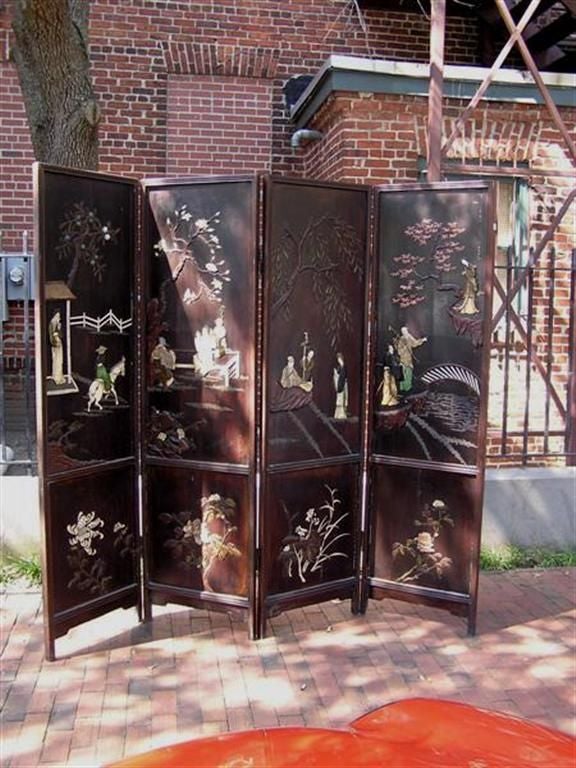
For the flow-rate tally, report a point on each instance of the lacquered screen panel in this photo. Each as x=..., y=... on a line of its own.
x=311, y=519
x=199, y=530
x=86, y=394
x=423, y=527
x=94, y=538
x=315, y=268
x=200, y=320
x=431, y=308
x=87, y=319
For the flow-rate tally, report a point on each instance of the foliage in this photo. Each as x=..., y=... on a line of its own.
x=25, y=568
x=193, y=242
x=83, y=237
x=509, y=557
x=201, y=542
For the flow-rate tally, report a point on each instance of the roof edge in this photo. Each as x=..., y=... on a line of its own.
x=352, y=73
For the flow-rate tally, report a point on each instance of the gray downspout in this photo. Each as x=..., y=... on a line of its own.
x=304, y=135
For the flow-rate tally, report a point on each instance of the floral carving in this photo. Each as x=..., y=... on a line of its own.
x=203, y=542
x=420, y=549
x=91, y=573
x=435, y=245
x=193, y=243
x=310, y=545
x=82, y=239
x=85, y=530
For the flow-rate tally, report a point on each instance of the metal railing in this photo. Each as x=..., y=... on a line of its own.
x=532, y=417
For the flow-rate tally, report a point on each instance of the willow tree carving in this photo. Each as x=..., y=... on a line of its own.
x=326, y=252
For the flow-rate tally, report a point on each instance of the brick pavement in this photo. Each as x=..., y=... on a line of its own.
x=119, y=688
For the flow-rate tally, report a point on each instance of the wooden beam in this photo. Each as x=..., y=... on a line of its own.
x=489, y=13
x=516, y=323
x=551, y=56
x=436, y=88
x=542, y=37
x=529, y=61
x=501, y=58
x=519, y=171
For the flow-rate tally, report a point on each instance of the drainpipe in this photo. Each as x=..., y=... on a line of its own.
x=304, y=135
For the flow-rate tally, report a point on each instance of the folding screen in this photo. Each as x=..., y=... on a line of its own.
x=199, y=379
x=221, y=425
x=315, y=269
x=428, y=393
x=86, y=381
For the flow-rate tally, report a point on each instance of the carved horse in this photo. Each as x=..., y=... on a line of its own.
x=98, y=390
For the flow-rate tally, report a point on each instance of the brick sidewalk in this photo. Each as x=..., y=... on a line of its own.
x=117, y=689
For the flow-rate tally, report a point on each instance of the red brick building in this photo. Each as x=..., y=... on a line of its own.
x=201, y=88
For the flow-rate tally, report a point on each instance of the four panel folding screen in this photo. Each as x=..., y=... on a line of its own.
x=259, y=393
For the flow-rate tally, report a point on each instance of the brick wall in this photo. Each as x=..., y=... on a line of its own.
x=218, y=125
x=139, y=49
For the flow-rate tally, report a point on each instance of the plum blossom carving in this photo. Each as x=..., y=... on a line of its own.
x=83, y=236
x=193, y=243
x=436, y=243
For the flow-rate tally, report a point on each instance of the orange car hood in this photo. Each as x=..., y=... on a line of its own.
x=415, y=733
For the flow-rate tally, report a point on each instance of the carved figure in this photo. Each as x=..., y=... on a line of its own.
x=467, y=305
x=103, y=386
x=405, y=344
x=340, y=379
x=163, y=362
x=56, y=348
x=389, y=389
x=101, y=371
x=392, y=360
x=290, y=376
x=308, y=363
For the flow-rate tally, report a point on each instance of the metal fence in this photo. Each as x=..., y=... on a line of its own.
x=532, y=411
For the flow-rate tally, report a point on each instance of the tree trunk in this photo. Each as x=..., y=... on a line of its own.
x=51, y=56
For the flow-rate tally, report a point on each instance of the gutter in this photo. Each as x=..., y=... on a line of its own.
x=361, y=75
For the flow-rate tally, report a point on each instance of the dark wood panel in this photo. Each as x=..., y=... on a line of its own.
x=199, y=531
x=87, y=370
x=200, y=320
x=86, y=333
x=423, y=527
x=428, y=389
x=309, y=528
x=431, y=318
x=315, y=268
x=93, y=542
